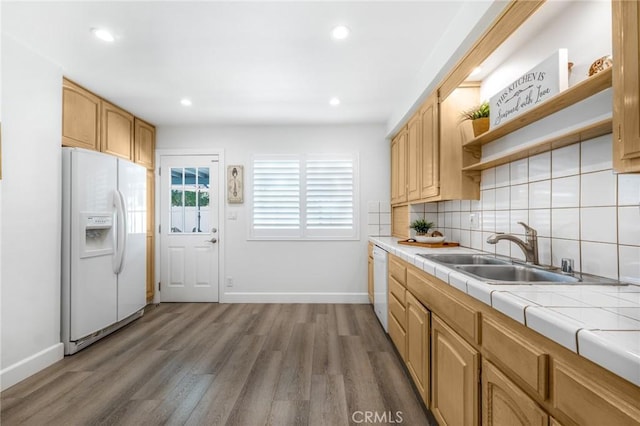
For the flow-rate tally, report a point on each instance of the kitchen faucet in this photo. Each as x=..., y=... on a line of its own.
x=529, y=247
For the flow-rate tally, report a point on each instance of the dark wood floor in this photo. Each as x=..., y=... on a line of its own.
x=238, y=364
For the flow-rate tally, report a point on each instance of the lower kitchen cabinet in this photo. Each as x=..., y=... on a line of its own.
x=448, y=340
x=504, y=404
x=455, y=367
x=587, y=402
x=370, y=273
x=397, y=304
x=150, y=269
x=398, y=335
x=418, y=345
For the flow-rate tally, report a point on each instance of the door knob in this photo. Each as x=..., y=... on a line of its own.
x=214, y=230
x=212, y=240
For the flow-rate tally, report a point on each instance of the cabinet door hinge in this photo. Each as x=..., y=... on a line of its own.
x=159, y=171
x=159, y=228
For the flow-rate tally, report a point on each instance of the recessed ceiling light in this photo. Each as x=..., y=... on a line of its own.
x=103, y=34
x=186, y=102
x=340, y=32
x=334, y=102
x=476, y=71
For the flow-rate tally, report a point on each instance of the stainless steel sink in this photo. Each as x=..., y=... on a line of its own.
x=502, y=270
x=516, y=273
x=465, y=259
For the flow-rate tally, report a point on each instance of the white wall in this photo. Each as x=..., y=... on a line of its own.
x=300, y=271
x=30, y=262
x=582, y=27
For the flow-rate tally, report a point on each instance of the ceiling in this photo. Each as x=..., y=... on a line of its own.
x=240, y=62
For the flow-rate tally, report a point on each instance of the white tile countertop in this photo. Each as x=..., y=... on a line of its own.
x=599, y=322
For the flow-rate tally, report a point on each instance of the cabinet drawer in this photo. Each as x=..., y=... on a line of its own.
x=397, y=270
x=530, y=363
x=398, y=336
x=461, y=317
x=586, y=402
x=398, y=291
x=398, y=311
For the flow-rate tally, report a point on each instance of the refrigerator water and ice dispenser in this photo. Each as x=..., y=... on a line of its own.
x=96, y=234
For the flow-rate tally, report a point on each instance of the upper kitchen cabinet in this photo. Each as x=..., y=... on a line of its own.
x=430, y=148
x=399, y=168
x=626, y=86
x=80, y=117
x=117, y=131
x=144, y=143
x=414, y=140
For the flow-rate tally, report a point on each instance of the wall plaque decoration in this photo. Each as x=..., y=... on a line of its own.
x=546, y=79
x=235, y=184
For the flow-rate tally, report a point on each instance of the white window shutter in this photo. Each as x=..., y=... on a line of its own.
x=329, y=196
x=304, y=197
x=276, y=197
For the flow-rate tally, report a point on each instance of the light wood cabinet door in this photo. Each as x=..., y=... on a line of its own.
x=80, y=117
x=626, y=86
x=430, y=149
x=150, y=235
x=418, y=346
x=370, y=280
x=414, y=140
x=394, y=170
x=144, y=143
x=454, y=377
x=150, y=269
x=399, y=168
x=117, y=131
x=589, y=402
x=504, y=404
x=397, y=334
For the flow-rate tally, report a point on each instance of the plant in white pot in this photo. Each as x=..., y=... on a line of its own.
x=422, y=227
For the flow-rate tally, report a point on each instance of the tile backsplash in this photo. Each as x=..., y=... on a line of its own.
x=379, y=218
x=580, y=208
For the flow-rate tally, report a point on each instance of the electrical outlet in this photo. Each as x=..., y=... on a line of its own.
x=229, y=281
x=473, y=221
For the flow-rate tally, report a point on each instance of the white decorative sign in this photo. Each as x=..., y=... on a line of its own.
x=532, y=88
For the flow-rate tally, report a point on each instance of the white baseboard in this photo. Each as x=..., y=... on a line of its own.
x=31, y=365
x=294, y=297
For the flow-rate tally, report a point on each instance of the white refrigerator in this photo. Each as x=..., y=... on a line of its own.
x=104, y=226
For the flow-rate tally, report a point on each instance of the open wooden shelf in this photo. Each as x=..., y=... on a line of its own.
x=572, y=95
x=586, y=132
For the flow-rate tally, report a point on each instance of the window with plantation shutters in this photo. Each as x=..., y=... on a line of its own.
x=304, y=197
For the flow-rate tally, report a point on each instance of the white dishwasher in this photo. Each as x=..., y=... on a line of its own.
x=380, y=285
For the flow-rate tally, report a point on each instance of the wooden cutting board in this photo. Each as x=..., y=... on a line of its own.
x=443, y=244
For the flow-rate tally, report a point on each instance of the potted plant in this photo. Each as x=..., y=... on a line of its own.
x=422, y=227
x=479, y=117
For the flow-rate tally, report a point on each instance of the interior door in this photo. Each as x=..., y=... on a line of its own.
x=189, y=228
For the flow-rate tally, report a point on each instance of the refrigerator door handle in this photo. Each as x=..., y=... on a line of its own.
x=121, y=226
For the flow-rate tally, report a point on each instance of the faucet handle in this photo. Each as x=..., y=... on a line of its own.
x=567, y=265
x=529, y=230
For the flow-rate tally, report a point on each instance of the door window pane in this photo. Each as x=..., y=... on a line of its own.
x=190, y=193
